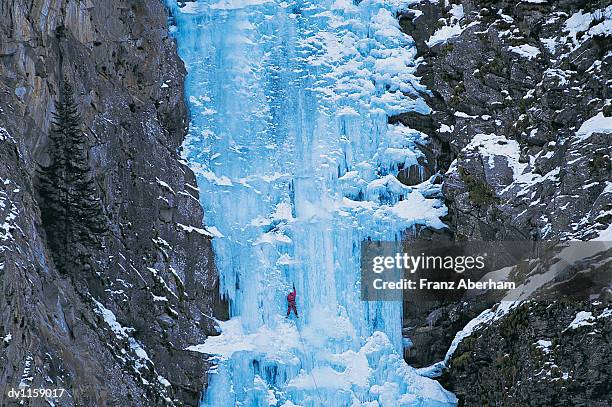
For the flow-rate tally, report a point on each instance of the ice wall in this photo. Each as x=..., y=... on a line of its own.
x=296, y=166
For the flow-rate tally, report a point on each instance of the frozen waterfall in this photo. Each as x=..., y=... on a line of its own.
x=296, y=166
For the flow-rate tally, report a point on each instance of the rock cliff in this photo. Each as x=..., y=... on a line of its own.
x=521, y=130
x=113, y=334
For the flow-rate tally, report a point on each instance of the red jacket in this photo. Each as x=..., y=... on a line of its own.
x=291, y=296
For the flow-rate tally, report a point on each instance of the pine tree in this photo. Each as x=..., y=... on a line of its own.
x=71, y=209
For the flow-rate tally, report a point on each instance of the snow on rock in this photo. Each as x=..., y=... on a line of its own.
x=463, y=115
x=8, y=212
x=209, y=231
x=605, y=235
x=583, y=318
x=525, y=50
x=141, y=359
x=26, y=375
x=443, y=34
x=5, y=136
x=596, y=124
x=446, y=129
x=544, y=345
x=165, y=185
x=492, y=145
x=457, y=11
x=606, y=313
x=111, y=320
x=498, y=152
x=485, y=317
x=420, y=211
x=581, y=25
x=453, y=29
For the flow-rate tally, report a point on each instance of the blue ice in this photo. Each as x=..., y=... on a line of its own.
x=296, y=165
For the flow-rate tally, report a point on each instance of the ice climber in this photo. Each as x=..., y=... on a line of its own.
x=291, y=303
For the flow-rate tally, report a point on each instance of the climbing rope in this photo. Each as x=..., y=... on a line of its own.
x=314, y=381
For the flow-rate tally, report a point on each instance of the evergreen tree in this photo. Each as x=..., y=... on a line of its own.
x=71, y=209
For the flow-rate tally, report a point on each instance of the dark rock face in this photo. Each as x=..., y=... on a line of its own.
x=115, y=334
x=514, y=91
x=533, y=357
x=516, y=73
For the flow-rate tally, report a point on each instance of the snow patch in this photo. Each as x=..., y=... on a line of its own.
x=582, y=23
x=452, y=30
x=443, y=34
x=544, y=345
x=209, y=231
x=420, y=210
x=525, y=50
x=596, y=124
x=583, y=318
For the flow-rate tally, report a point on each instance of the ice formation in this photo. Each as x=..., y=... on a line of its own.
x=296, y=166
